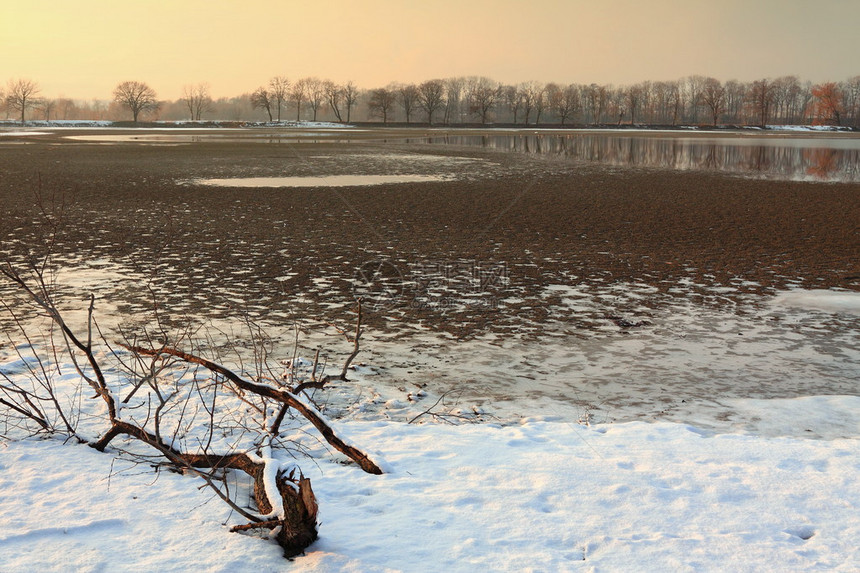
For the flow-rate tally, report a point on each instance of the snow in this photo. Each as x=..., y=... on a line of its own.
x=77, y=123
x=808, y=128
x=543, y=495
x=64, y=123
x=821, y=300
x=22, y=133
x=270, y=475
x=297, y=124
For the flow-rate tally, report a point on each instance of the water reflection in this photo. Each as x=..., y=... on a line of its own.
x=796, y=159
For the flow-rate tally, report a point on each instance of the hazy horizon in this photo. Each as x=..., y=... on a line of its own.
x=83, y=49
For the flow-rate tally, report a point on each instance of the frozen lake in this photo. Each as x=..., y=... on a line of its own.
x=617, y=276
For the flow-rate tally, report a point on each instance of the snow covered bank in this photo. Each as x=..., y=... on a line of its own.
x=67, y=123
x=540, y=496
x=80, y=123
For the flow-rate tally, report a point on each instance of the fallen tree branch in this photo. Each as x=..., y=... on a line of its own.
x=283, y=396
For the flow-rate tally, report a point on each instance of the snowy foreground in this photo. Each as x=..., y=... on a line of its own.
x=538, y=496
x=779, y=492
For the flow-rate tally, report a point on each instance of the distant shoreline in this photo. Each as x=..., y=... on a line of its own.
x=206, y=124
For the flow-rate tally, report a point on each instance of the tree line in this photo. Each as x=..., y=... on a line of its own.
x=693, y=100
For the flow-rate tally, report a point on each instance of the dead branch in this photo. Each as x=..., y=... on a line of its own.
x=271, y=524
x=358, y=333
x=283, y=396
x=442, y=416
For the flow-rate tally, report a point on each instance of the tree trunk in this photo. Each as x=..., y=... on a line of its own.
x=299, y=526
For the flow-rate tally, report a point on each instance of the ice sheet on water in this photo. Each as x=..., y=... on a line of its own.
x=835, y=301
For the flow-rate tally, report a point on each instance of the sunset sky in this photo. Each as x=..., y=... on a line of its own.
x=83, y=48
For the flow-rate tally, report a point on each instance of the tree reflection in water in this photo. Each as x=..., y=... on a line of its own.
x=817, y=159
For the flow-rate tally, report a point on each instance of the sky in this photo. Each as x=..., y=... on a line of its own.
x=83, y=48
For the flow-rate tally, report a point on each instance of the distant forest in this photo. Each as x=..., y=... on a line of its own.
x=693, y=100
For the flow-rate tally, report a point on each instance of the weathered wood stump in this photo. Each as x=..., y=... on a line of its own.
x=298, y=527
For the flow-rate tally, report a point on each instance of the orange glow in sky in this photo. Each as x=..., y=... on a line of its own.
x=84, y=48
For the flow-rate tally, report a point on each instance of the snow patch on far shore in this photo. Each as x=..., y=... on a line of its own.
x=22, y=133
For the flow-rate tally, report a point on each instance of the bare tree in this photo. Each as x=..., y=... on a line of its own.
x=552, y=96
x=786, y=98
x=136, y=96
x=334, y=95
x=409, y=99
x=279, y=89
x=617, y=104
x=67, y=108
x=46, y=106
x=736, y=96
x=851, y=93
x=761, y=97
x=350, y=98
x=530, y=93
x=316, y=94
x=637, y=98
x=662, y=94
x=513, y=99
x=598, y=101
x=262, y=99
x=692, y=92
x=566, y=102
x=21, y=95
x=197, y=100
x=713, y=95
x=298, y=93
x=381, y=103
x=646, y=100
x=540, y=104
x=453, y=95
x=484, y=95
x=99, y=108
x=431, y=96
